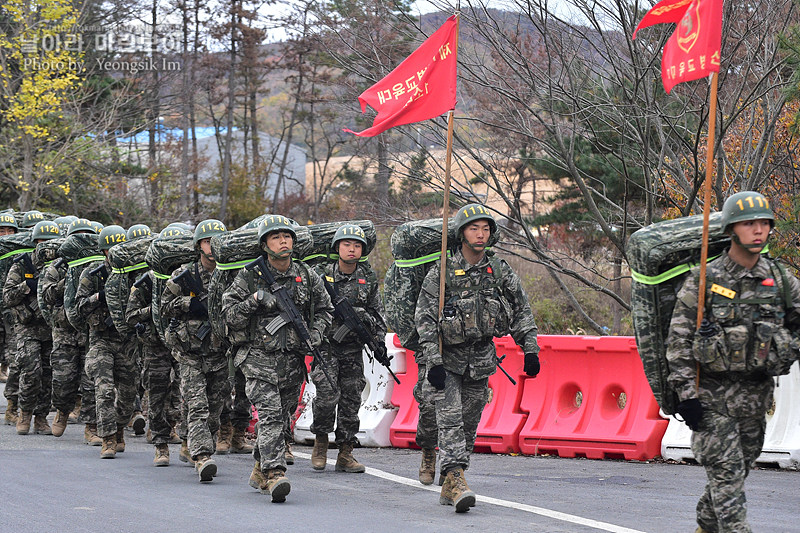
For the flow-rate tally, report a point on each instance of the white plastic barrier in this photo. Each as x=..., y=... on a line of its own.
x=782, y=438
x=376, y=413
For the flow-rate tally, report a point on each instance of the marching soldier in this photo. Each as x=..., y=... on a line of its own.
x=723, y=371
x=483, y=299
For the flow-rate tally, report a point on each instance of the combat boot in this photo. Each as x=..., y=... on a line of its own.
x=184, y=455
x=40, y=425
x=257, y=477
x=60, y=423
x=239, y=442
x=456, y=492
x=224, y=438
x=345, y=462
x=3, y=373
x=427, y=470
x=162, y=455
x=319, y=455
x=24, y=422
x=138, y=423
x=120, y=440
x=76, y=411
x=90, y=435
x=206, y=467
x=700, y=530
x=277, y=485
x=109, y=449
x=11, y=412
x=288, y=456
x=173, y=437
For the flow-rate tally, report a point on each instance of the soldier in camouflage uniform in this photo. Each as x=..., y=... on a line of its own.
x=274, y=363
x=484, y=298
x=34, y=341
x=357, y=282
x=70, y=382
x=8, y=226
x=723, y=371
x=204, y=366
x=235, y=419
x=111, y=359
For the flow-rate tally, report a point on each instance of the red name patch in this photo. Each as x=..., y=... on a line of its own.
x=298, y=279
x=362, y=281
x=769, y=282
x=489, y=270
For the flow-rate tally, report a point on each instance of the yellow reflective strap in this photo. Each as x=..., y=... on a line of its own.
x=234, y=265
x=16, y=252
x=83, y=261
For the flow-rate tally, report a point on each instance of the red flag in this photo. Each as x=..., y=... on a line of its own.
x=423, y=86
x=693, y=50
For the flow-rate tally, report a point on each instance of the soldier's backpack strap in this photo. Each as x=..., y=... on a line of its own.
x=787, y=291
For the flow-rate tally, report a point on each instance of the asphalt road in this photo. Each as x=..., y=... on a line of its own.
x=60, y=484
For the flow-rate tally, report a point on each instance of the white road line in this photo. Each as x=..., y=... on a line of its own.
x=556, y=515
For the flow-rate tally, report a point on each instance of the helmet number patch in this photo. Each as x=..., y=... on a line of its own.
x=762, y=202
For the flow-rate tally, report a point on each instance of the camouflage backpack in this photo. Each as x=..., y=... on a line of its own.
x=79, y=251
x=416, y=246
x=322, y=234
x=47, y=249
x=165, y=254
x=660, y=257
x=233, y=250
x=10, y=247
x=127, y=261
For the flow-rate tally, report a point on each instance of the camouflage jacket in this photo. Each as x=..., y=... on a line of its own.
x=51, y=295
x=185, y=329
x=139, y=311
x=243, y=313
x=360, y=289
x=750, y=339
x=480, y=303
x=21, y=300
x=89, y=305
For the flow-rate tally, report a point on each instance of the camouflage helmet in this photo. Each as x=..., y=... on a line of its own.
x=180, y=225
x=81, y=224
x=207, y=229
x=746, y=205
x=136, y=231
x=110, y=236
x=64, y=222
x=469, y=214
x=7, y=220
x=348, y=232
x=45, y=230
x=276, y=223
x=172, y=231
x=30, y=218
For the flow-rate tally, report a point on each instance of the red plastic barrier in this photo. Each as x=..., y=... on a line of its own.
x=403, y=432
x=591, y=399
x=501, y=421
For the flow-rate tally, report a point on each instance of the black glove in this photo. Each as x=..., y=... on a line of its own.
x=532, y=365
x=197, y=309
x=33, y=284
x=266, y=299
x=101, y=297
x=436, y=376
x=382, y=356
x=139, y=328
x=691, y=411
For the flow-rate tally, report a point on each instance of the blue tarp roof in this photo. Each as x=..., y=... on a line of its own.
x=163, y=132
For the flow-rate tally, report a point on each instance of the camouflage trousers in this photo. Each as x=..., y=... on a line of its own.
x=338, y=406
x=67, y=361
x=275, y=405
x=35, y=374
x=727, y=447
x=10, y=349
x=111, y=364
x=458, y=412
x=161, y=379
x=205, y=386
x=236, y=408
x=427, y=433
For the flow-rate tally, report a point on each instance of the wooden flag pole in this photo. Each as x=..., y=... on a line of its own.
x=446, y=200
x=712, y=127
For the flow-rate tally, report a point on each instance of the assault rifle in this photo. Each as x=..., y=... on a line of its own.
x=344, y=311
x=497, y=361
x=101, y=272
x=195, y=287
x=289, y=313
